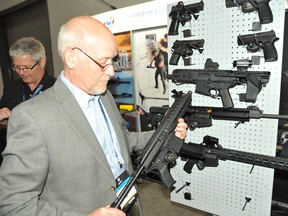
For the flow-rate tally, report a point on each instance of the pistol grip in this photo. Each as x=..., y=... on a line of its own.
x=226, y=98
x=174, y=59
x=269, y=50
x=166, y=177
x=264, y=12
x=188, y=166
x=174, y=26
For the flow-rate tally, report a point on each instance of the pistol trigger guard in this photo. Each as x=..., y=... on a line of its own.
x=186, y=52
x=248, y=7
x=254, y=46
x=214, y=93
x=185, y=18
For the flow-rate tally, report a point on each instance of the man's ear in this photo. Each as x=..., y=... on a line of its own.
x=70, y=58
x=42, y=63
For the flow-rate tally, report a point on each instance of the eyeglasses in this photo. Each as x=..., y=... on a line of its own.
x=103, y=67
x=16, y=68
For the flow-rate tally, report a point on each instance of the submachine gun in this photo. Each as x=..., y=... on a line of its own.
x=216, y=83
x=209, y=152
x=162, y=148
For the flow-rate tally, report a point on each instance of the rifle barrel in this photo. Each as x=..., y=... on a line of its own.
x=272, y=116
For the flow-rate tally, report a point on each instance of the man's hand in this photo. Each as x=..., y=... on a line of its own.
x=181, y=129
x=4, y=113
x=107, y=211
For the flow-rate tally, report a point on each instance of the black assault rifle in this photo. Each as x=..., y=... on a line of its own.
x=262, y=6
x=162, y=148
x=181, y=13
x=209, y=152
x=200, y=116
x=216, y=83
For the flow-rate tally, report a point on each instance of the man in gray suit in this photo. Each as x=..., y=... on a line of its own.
x=67, y=146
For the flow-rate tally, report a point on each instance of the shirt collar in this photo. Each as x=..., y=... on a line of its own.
x=82, y=97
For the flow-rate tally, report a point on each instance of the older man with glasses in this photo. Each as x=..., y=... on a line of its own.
x=28, y=61
x=68, y=150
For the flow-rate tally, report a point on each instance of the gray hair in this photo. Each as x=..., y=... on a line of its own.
x=30, y=46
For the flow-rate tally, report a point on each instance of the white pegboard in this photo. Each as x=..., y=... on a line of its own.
x=222, y=190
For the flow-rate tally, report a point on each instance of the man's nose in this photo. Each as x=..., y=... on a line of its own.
x=110, y=71
x=21, y=71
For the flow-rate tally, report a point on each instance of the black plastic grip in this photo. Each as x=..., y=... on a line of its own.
x=264, y=11
x=226, y=98
x=269, y=50
x=174, y=59
x=174, y=26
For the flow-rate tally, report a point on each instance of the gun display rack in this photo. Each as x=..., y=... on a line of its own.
x=232, y=188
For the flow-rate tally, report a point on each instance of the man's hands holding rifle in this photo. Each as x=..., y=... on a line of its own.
x=181, y=129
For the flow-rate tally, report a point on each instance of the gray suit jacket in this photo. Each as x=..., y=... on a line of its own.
x=53, y=163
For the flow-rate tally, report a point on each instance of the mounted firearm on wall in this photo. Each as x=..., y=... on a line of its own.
x=200, y=116
x=181, y=13
x=184, y=48
x=216, y=83
x=117, y=81
x=263, y=40
x=247, y=6
x=209, y=152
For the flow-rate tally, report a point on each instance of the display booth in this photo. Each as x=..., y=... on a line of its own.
x=138, y=30
x=220, y=36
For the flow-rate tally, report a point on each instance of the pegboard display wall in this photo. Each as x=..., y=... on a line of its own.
x=225, y=189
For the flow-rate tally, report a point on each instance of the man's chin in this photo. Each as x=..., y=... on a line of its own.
x=99, y=91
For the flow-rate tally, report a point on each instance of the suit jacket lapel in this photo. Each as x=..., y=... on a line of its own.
x=75, y=117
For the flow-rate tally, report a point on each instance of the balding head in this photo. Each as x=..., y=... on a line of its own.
x=87, y=48
x=84, y=31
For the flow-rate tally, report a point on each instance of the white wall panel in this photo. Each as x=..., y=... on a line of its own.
x=222, y=190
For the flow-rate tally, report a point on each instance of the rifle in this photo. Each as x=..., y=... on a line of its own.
x=117, y=81
x=185, y=48
x=122, y=95
x=182, y=14
x=263, y=40
x=199, y=116
x=209, y=152
x=264, y=11
x=216, y=83
x=161, y=149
